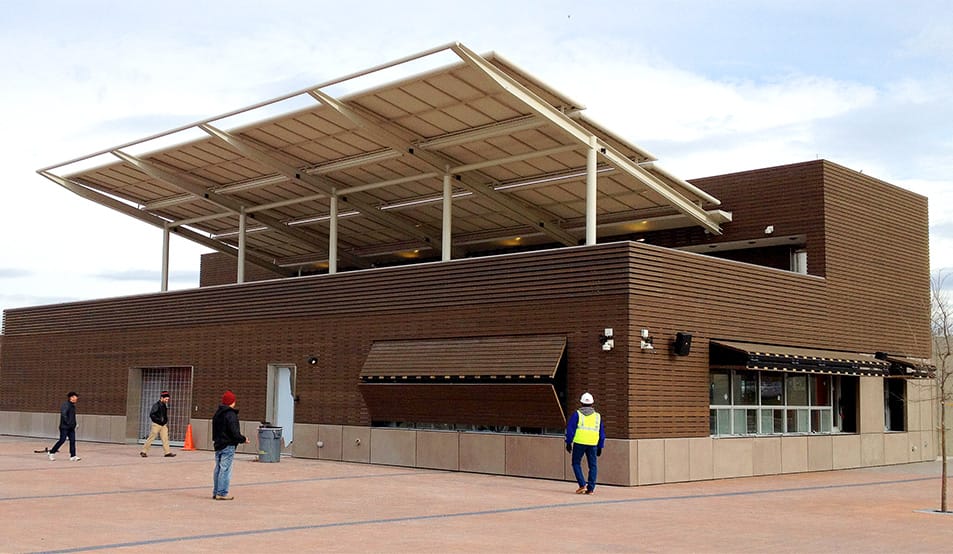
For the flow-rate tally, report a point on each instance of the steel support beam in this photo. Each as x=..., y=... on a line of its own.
x=322, y=184
x=201, y=188
x=447, y=226
x=79, y=189
x=398, y=139
x=164, y=285
x=582, y=135
x=592, y=190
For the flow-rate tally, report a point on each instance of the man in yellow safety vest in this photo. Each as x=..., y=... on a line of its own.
x=585, y=434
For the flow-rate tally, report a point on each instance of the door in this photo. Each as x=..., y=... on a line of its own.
x=280, y=404
x=176, y=380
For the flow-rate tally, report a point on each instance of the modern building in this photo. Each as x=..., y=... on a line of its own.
x=430, y=272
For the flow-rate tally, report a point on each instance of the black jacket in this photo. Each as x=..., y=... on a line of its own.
x=225, y=428
x=68, y=415
x=159, y=413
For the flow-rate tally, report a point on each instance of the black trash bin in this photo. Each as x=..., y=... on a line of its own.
x=269, y=444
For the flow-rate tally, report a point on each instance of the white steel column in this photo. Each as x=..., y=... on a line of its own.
x=591, y=190
x=241, y=246
x=445, y=236
x=333, y=236
x=165, y=259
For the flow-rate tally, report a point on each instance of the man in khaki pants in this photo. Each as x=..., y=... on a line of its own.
x=159, y=414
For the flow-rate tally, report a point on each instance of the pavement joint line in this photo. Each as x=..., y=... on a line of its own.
x=198, y=487
x=478, y=513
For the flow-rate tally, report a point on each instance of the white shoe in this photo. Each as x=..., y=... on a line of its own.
x=74, y=458
x=52, y=457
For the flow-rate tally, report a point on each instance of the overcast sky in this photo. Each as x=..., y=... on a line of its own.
x=708, y=87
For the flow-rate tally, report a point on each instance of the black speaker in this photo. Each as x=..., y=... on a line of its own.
x=683, y=344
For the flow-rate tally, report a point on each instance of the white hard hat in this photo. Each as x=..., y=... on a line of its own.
x=586, y=398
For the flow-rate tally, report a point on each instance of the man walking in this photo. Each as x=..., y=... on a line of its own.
x=226, y=435
x=67, y=427
x=585, y=434
x=159, y=414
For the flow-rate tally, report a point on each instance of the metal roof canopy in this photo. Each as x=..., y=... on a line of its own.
x=475, y=156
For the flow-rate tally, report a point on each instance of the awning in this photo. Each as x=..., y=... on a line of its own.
x=532, y=357
x=906, y=367
x=768, y=357
x=491, y=381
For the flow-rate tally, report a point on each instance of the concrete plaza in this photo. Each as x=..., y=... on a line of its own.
x=114, y=500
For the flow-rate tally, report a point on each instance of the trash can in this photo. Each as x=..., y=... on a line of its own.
x=269, y=444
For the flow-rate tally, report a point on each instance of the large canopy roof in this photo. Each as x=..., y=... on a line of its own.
x=367, y=175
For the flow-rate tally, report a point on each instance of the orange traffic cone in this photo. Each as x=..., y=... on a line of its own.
x=188, y=439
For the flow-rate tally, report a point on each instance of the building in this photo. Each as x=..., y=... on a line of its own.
x=432, y=271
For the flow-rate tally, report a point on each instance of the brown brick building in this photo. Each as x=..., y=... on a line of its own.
x=804, y=295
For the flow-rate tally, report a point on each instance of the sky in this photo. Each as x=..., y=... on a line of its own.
x=707, y=87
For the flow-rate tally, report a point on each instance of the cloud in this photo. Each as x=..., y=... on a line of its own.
x=8, y=301
x=13, y=272
x=148, y=275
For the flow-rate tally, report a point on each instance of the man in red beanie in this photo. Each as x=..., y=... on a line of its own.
x=226, y=435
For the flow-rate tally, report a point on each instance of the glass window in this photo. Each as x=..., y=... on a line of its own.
x=720, y=422
x=797, y=390
x=821, y=421
x=745, y=388
x=720, y=389
x=772, y=421
x=745, y=402
x=820, y=390
x=745, y=421
x=798, y=421
x=772, y=389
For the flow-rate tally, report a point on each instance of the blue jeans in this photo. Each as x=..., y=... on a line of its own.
x=66, y=434
x=223, y=470
x=590, y=451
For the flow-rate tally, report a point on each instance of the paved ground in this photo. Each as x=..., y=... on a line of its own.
x=114, y=500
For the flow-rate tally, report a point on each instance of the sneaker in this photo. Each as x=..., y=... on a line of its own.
x=224, y=497
x=580, y=490
x=52, y=457
x=170, y=455
x=590, y=492
x=143, y=454
x=74, y=458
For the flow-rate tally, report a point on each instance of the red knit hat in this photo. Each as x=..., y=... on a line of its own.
x=228, y=398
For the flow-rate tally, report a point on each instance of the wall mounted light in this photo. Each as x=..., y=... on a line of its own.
x=608, y=343
x=647, y=340
x=312, y=360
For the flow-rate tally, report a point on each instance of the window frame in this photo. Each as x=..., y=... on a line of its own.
x=815, y=416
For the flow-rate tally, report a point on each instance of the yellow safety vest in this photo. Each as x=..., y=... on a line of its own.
x=587, y=429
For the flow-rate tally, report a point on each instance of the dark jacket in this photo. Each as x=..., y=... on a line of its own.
x=68, y=415
x=225, y=428
x=159, y=414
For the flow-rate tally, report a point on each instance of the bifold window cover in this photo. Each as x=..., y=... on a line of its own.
x=768, y=357
x=492, y=381
x=483, y=359
x=906, y=367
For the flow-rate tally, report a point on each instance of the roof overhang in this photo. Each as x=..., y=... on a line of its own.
x=508, y=152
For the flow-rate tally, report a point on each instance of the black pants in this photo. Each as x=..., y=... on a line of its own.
x=66, y=434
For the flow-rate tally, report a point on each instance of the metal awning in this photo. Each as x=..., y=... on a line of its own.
x=907, y=367
x=485, y=381
x=370, y=177
x=510, y=358
x=768, y=357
